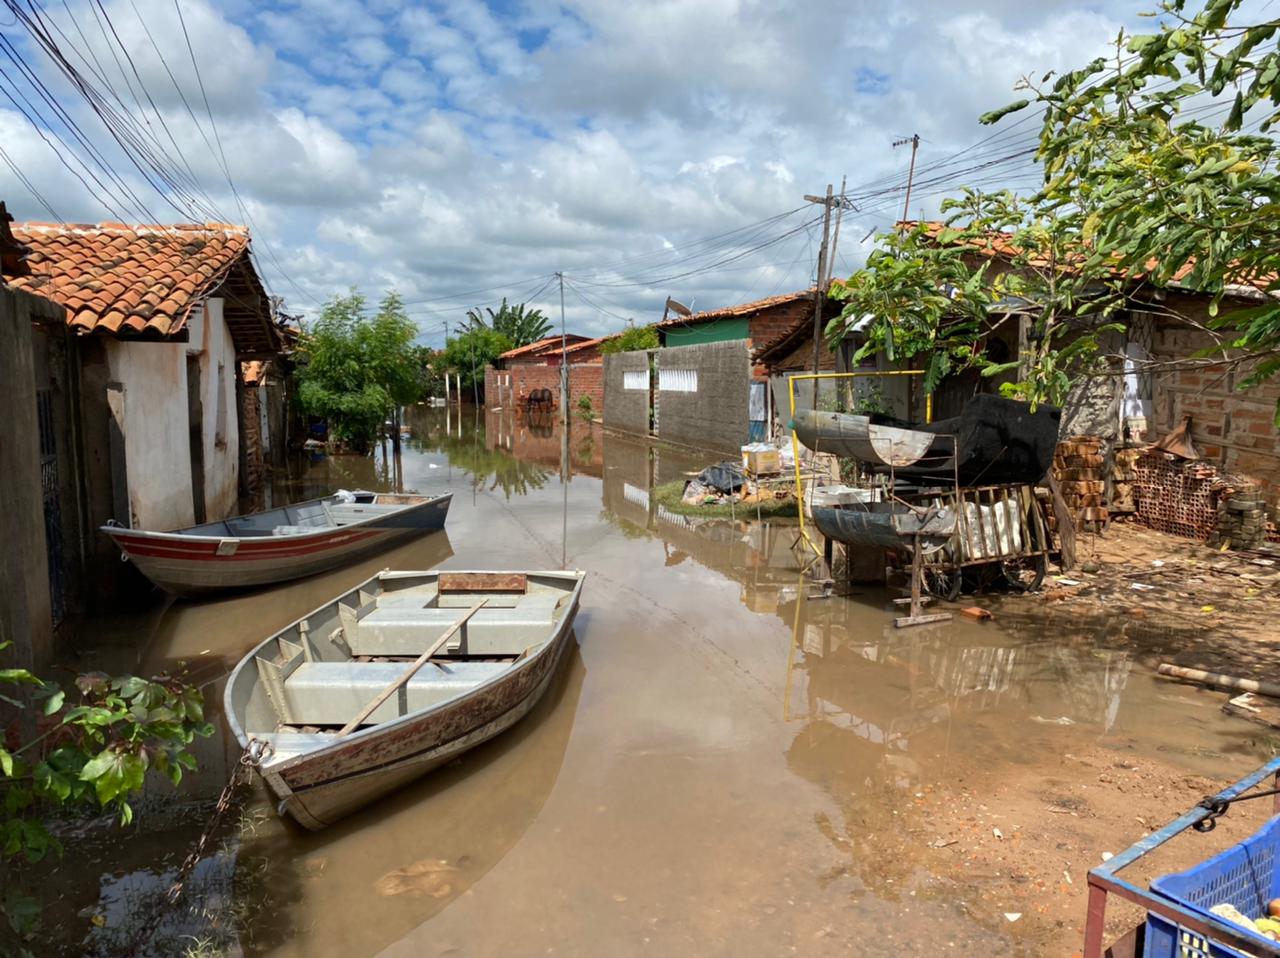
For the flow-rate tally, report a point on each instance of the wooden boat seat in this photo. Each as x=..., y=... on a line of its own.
x=331, y=693
x=404, y=630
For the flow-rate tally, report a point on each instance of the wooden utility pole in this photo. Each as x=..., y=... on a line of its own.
x=820, y=291
x=914, y=140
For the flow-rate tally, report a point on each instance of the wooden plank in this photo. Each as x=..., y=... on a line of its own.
x=409, y=673
x=483, y=582
x=908, y=620
x=1248, y=706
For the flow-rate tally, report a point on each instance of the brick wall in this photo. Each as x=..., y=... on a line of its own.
x=1232, y=429
x=251, y=437
x=501, y=386
x=773, y=323
x=625, y=409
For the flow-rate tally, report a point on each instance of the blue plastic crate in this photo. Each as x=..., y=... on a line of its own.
x=1247, y=875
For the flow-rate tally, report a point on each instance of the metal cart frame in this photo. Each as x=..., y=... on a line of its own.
x=1103, y=880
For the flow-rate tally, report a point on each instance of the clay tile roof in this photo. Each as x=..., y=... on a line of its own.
x=997, y=245
x=539, y=346
x=586, y=344
x=743, y=309
x=129, y=280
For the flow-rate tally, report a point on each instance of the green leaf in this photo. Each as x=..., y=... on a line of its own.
x=6, y=762
x=54, y=702
x=994, y=116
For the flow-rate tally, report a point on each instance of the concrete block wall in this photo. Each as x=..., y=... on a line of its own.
x=625, y=409
x=713, y=417
x=1235, y=430
x=585, y=379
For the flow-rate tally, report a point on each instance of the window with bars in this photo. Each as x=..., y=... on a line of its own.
x=678, y=380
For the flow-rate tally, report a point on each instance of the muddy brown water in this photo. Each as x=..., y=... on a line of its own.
x=714, y=772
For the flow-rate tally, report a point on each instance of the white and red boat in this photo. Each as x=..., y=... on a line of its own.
x=281, y=544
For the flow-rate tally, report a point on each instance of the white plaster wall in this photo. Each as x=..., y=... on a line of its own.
x=221, y=424
x=157, y=431
x=157, y=450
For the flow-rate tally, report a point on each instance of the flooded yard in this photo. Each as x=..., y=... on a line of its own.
x=723, y=765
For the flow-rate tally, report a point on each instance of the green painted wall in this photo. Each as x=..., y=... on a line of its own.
x=733, y=327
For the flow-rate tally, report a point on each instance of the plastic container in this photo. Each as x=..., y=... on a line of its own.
x=1247, y=875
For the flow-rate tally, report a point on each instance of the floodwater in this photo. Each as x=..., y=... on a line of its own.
x=719, y=769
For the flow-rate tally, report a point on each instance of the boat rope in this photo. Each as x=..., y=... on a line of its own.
x=1216, y=807
x=251, y=758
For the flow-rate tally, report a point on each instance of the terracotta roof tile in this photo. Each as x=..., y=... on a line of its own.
x=539, y=346
x=743, y=309
x=130, y=280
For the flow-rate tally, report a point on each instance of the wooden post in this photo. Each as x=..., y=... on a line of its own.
x=820, y=293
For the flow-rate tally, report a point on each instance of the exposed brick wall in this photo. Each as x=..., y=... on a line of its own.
x=251, y=436
x=774, y=322
x=585, y=379
x=1232, y=429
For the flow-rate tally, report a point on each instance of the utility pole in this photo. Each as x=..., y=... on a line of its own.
x=820, y=292
x=564, y=368
x=914, y=140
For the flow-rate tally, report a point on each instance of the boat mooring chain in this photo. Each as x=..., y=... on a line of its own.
x=1216, y=807
x=250, y=759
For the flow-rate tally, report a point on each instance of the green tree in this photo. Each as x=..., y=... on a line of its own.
x=631, y=338
x=935, y=295
x=468, y=355
x=1158, y=184
x=355, y=371
x=520, y=325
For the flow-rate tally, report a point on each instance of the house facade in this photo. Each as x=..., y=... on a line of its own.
x=140, y=385
x=525, y=372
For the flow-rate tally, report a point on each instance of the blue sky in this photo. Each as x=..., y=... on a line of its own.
x=460, y=151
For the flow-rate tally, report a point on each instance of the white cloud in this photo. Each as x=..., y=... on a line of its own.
x=446, y=147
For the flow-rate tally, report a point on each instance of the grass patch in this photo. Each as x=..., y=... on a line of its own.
x=668, y=495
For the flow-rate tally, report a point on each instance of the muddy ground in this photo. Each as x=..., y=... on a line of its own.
x=1017, y=839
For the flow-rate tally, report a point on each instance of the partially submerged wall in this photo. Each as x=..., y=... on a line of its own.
x=626, y=400
x=26, y=613
x=702, y=395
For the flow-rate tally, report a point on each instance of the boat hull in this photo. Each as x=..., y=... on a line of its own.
x=857, y=437
x=348, y=785
x=890, y=525
x=319, y=787
x=202, y=565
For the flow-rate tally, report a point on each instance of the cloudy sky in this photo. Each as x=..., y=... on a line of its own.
x=462, y=151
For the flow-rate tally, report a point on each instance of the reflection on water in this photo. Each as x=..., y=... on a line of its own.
x=723, y=767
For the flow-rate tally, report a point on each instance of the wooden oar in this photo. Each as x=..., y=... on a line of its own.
x=409, y=673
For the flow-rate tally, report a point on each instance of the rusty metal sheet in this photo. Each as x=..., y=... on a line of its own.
x=483, y=582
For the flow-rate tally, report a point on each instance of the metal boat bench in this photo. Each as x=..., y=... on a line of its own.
x=331, y=693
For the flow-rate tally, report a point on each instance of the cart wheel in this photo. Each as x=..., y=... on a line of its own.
x=942, y=583
x=1025, y=574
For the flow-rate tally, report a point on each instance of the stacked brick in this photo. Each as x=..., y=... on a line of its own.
x=1177, y=496
x=1124, y=473
x=1242, y=518
x=1079, y=467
